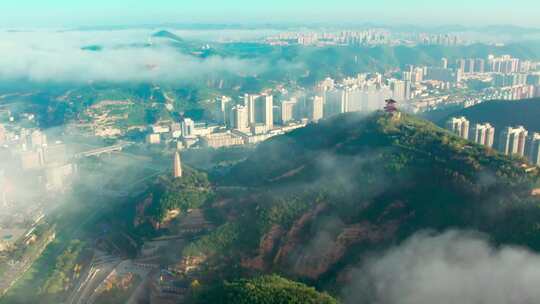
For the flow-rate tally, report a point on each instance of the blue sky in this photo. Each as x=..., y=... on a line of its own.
x=55, y=13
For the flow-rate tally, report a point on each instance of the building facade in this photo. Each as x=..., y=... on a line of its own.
x=483, y=134
x=459, y=126
x=513, y=141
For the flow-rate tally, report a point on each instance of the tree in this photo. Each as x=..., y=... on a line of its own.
x=271, y=289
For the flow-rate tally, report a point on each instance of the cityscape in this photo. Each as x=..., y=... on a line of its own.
x=368, y=37
x=330, y=153
x=257, y=117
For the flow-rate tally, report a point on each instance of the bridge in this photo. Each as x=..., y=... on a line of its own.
x=103, y=150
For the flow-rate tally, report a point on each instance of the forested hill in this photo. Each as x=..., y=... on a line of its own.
x=386, y=144
x=504, y=113
x=317, y=200
x=264, y=290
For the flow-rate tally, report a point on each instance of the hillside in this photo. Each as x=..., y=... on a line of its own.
x=503, y=113
x=338, y=62
x=316, y=201
x=264, y=290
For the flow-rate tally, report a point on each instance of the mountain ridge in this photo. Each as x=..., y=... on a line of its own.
x=319, y=199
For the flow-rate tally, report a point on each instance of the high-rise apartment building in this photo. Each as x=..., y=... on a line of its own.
x=335, y=102
x=418, y=75
x=534, y=149
x=483, y=134
x=459, y=125
x=354, y=100
x=264, y=113
x=249, y=103
x=240, y=118
x=268, y=111
x=461, y=65
x=315, y=108
x=400, y=90
x=479, y=65
x=513, y=141
x=260, y=109
x=444, y=63
x=287, y=110
x=187, y=126
x=469, y=66
x=223, y=109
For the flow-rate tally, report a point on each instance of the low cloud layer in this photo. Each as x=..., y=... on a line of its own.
x=454, y=267
x=47, y=56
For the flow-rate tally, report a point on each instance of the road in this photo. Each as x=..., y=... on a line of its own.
x=102, y=268
x=102, y=150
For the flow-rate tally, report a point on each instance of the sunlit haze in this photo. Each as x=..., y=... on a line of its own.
x=58, y=13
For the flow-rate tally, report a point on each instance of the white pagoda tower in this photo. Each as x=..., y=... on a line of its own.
x=177, y=165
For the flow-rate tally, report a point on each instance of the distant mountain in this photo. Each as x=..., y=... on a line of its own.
x=99, y=48
x=189, y=47
x=168, y=35
x=502, y=113
x=312, y=203
x=93, y=48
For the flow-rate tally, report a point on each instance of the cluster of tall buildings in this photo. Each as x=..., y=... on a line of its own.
x=35, y=153
x=443, y=72
x=366, y=37
x=414, y=74
x=28, y=152
x=503, y=77
x=374, y=36
x=505, y=71
x=505, y=64
x=514, y=79
x=517, y=92
x=253, y=120
x=439, y=39
x=365, y=93
x=257, y=112
x=507, y=77
x=511, y=140
x=258, y=117
x=511, y=77
x=482, y=134
x=471, y=65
